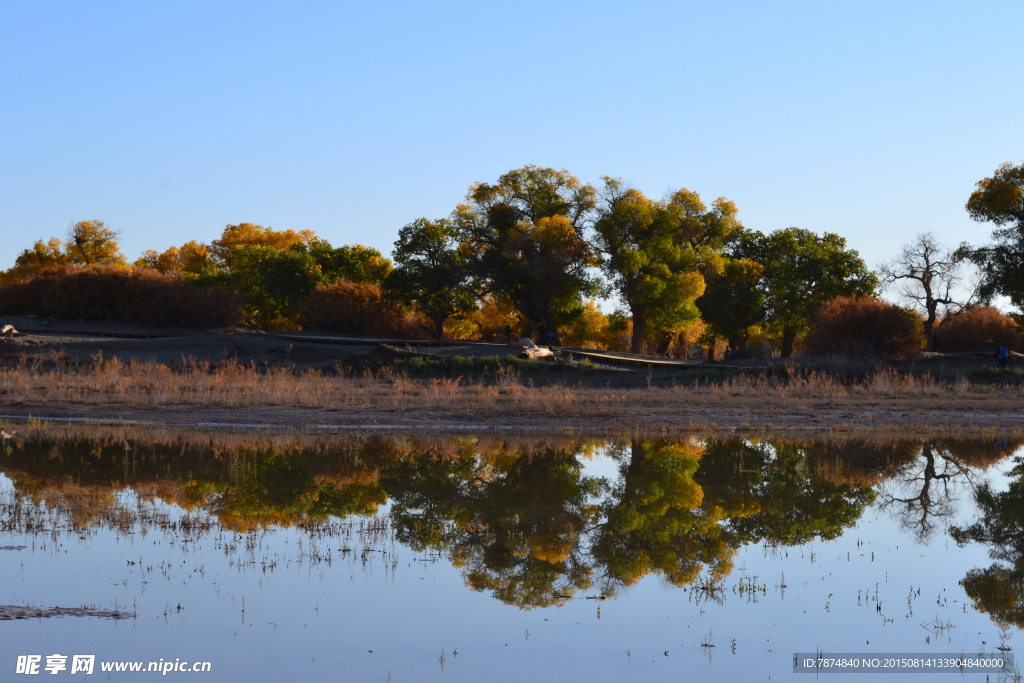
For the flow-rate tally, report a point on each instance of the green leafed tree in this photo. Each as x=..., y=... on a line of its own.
x=273, y=280
x=527, y=233
x=1000, y=200
x=801, y=272
x=432, y=271
x=356, y=263
x=275, y=270
x=656, y=253
x=733, y=302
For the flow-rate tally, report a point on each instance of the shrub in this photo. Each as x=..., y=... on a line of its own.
x=865, y=326
x=104, y=292
x=978, y=329
x=348, y=307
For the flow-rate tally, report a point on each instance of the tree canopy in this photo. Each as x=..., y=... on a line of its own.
x=541, y=254
x=432, y=271
x=656, y=253
x=733, y=302
x=87, y=243
x=528, y=234
x=802, y=271
x=1000, y=200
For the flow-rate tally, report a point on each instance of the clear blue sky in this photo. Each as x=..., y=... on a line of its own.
x=169, y=120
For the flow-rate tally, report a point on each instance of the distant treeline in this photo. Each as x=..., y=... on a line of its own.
x=530, y=254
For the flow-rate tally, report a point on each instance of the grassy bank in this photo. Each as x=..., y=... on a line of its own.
x=510, y=390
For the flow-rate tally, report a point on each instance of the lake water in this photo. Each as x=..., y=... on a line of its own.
x=399, y=558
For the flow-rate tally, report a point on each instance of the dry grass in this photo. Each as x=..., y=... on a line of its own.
x=234, y=385
x=506, y=395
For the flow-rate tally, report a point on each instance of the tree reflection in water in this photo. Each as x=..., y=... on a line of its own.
x=526, y=521
x=923, y=492
x=512, y=518
x=998, y=590
x=531, y=527
x=658, y=520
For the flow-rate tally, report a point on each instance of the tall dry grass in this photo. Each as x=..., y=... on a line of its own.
x=506, y=393
x=813, y=384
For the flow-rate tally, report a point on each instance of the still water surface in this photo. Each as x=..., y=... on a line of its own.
x=392, y=558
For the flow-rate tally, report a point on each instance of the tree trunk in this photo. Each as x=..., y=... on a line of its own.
x=788, y=340
x=929, y=323
x=636, y=342
x=664, y=344
x=738, y=343
x=638, y=454
x=711, y=351
x=438, y=331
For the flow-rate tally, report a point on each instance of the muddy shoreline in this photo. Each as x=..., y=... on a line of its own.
x=13, y=612
x=746, y=417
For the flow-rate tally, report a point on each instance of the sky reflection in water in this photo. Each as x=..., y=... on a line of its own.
x=308, y=558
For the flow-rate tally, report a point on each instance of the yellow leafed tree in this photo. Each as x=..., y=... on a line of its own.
x=235, y=237
x=192, y=257
x=87, y=243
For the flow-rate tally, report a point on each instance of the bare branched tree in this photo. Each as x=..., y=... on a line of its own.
x=925, y=273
